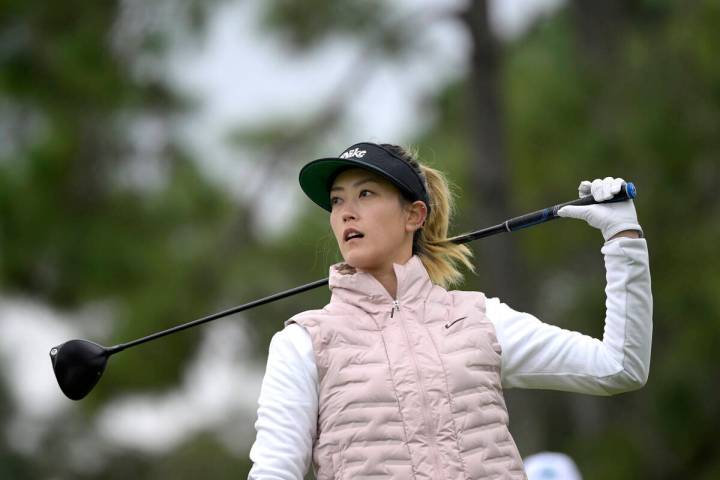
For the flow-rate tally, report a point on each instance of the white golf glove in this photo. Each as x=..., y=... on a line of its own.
x=609, y=218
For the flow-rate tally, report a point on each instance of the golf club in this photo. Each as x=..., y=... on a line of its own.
x=79, y=364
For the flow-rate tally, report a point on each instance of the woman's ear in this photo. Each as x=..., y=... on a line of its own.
x=417, y=214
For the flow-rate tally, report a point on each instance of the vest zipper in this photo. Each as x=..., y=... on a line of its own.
x=425, y=408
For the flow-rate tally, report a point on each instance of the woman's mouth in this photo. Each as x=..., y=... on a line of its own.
x=352, y=234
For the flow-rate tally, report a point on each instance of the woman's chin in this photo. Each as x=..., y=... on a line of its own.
x=360, y=262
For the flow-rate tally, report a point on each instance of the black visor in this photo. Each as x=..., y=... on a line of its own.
x=317, y=176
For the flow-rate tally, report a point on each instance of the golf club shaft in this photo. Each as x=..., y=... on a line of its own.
x=224, y=313
x=628, y=192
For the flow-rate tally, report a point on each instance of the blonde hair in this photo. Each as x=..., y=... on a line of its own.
x=441, y=257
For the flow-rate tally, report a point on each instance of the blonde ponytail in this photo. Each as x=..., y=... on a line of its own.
x=441, y=258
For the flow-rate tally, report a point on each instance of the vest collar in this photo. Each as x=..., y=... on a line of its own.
x=366, y=292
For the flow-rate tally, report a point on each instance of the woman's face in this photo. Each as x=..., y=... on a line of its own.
x=365, y=203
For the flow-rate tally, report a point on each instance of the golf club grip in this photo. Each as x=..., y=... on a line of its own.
x=627, y=192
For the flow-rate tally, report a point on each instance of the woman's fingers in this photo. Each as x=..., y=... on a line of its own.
x=602, y=189
x=609, y=218
x=584, y=189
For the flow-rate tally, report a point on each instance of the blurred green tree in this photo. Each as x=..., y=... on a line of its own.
x=88, y=216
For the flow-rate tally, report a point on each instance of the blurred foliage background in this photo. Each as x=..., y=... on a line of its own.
x=119, y=240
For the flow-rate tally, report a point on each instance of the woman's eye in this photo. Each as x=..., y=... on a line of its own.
x=334, y=200
x=364, y=192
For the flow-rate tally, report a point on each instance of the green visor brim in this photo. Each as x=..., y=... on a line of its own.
x=316, y=178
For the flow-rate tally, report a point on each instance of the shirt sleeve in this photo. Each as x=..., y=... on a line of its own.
x=287, y=408
x=539, y=355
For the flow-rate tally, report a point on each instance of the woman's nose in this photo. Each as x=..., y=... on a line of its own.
x=348, y=215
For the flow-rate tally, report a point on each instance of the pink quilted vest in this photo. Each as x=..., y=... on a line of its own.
x=409, y=389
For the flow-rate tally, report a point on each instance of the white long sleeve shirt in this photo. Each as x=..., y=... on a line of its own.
x=534, y=355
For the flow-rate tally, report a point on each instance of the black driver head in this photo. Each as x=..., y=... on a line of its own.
x=78, y=365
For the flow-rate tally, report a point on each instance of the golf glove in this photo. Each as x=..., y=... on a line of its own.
x=609, y=218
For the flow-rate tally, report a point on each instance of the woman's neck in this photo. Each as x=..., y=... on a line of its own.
x=386, y=274
x=388, y=279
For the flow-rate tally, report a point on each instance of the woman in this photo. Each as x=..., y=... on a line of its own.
x=399, y=378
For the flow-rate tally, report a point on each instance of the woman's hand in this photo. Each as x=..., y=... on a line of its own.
x=612, y=219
